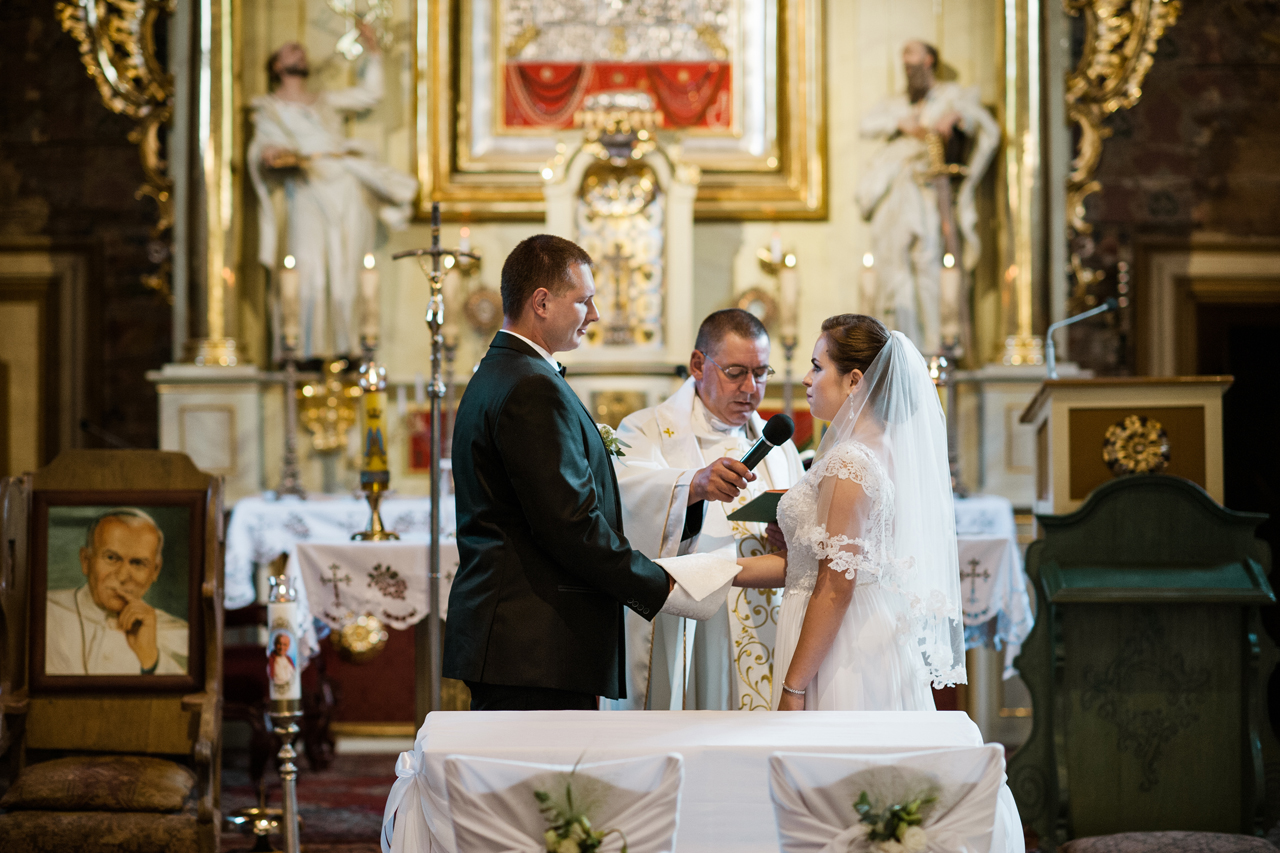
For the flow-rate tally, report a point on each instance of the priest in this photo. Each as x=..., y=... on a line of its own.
x=679, y=479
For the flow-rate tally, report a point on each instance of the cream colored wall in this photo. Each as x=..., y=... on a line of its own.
x=864, y=38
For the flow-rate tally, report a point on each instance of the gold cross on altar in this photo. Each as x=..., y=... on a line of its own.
x=335, y=580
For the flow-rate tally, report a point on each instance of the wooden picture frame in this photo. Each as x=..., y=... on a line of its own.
x=57, y=519
x=768, y=163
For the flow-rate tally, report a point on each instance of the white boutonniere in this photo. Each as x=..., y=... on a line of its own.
x=612, y=443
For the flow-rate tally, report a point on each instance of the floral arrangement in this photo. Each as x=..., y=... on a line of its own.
x=896, y=829
x=612, y=443
x=571, y=830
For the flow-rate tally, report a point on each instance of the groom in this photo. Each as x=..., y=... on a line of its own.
x=536, y=610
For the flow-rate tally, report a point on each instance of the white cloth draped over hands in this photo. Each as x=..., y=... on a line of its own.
x=814, y=795
x=702, y=582
x=494, y=809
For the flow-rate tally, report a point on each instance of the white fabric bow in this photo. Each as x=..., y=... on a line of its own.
x=813, y=797
x=414, y=833
x=494, y=809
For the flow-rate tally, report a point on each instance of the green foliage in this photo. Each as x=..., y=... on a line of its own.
x=570, y=830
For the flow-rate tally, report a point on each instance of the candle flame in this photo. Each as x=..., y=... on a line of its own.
x=448, y=262
x=547, y=174
x=789, y=260
x=289, y=262
x=465, y=232
x=368, y=261
x=868, y=260
x=948, y=260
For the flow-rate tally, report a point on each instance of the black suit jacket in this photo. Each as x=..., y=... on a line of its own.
x=544, y=569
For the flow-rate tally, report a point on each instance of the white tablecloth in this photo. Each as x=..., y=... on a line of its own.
x=386, y=579
x=997, y=609
x=262, y=528
x=725, y=803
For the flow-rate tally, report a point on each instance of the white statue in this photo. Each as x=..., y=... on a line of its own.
x=331, y=186
x=916, y=219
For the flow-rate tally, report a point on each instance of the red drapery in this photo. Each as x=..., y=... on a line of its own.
x=688, y=94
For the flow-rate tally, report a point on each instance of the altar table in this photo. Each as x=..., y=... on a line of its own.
x=994, y=598
x=725, y=803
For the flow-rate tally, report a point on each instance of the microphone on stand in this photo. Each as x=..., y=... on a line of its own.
x=1050, y=356
x=778, y=429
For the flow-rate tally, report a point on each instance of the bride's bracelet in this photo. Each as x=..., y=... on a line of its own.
x=791, y=690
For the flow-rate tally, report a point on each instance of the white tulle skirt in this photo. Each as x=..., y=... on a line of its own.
x=868, y=668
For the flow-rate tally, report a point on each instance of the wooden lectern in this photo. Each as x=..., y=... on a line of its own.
x=1089, y=431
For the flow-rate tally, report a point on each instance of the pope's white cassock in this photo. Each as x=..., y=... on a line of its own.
x=898, y=197
x=83, y=639
x=724, y=663
x=330, y=201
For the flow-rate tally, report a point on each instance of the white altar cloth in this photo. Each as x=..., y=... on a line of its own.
x=263, y=527
x=387, y=579
x=997, y=608
x=725, y=804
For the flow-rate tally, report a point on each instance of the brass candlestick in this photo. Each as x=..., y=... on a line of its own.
x=435, y=322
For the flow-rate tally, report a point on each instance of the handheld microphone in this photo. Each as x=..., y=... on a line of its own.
x=777, y=430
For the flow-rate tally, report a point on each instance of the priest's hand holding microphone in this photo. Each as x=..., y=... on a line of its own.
x=725, y=478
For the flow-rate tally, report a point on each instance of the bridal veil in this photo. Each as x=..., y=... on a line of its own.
x=894, y=412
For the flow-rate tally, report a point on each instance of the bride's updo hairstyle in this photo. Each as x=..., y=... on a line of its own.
x=854, y=341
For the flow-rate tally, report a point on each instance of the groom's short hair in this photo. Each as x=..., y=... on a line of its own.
x=542, y=260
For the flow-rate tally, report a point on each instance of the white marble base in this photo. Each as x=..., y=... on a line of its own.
x=214, y=415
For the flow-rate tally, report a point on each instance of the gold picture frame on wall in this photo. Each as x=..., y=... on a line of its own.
x=763, y=156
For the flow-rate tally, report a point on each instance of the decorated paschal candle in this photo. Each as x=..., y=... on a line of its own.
x=374, y=471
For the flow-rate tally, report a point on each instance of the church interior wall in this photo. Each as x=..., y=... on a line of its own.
x=67, y=209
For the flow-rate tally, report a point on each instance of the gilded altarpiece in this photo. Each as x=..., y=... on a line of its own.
x=740, y=80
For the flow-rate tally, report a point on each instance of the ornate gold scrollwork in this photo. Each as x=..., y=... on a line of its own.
x=1119, y=44
x=117, y=46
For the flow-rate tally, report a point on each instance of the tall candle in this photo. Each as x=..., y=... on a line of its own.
x=464, y=239
x=789, y=295
x=283, y=677
x=775, y=247
x=950, y=285
x=870, y=285
x=375, y=445
x=370, y=320
x=290, y=302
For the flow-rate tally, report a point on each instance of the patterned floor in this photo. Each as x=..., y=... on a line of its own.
x=341, y=807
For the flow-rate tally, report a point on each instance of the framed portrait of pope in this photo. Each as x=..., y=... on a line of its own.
x=115, y=588
x=500, y=85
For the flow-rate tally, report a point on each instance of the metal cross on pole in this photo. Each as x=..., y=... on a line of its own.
x=427, y=647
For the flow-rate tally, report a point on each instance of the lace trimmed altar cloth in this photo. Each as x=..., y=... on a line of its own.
x=725, y=803
x=993, y=589
x=261, y=528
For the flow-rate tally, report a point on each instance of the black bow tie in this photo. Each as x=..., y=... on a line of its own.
x=561, y=371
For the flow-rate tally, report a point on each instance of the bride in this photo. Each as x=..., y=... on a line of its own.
x=871, y=611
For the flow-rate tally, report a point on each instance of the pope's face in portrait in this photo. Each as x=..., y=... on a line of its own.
x=282, y=645
x=123, y=563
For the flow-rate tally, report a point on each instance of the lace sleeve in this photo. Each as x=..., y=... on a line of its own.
x=848, y=536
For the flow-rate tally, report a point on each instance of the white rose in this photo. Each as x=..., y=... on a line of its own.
x=552, y=839
x=892, y=847
x=915, y=839
x=567, y=846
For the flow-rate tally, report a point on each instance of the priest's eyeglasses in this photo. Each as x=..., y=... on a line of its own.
x=736, y=372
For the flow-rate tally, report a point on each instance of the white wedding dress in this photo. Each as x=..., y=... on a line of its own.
x=877, y=507
x=869, y=667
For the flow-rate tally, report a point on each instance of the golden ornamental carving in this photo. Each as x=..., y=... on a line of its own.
x=1120, y=39
x=1136, y=445
x=118, y=49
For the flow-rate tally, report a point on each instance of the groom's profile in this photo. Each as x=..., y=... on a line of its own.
x=536, y=609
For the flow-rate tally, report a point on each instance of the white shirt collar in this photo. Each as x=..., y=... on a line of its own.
x=555, y=365
x=709, y=425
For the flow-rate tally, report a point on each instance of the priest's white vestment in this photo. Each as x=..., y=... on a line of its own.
x=724, y=663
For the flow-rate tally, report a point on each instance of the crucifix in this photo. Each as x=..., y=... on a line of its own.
x=335, y=580
x=972, y=576
x=619, y=330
